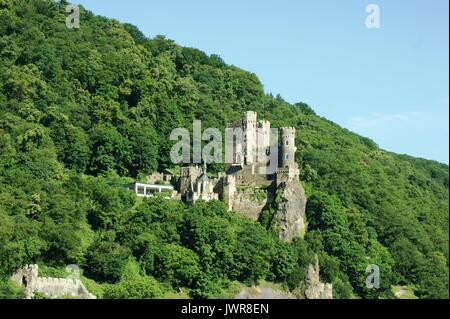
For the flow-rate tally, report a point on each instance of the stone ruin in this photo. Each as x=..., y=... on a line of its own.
x=52, y=288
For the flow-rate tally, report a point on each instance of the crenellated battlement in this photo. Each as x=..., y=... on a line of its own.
x=54, y=288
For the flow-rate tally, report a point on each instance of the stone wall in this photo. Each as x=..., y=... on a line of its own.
x=251, y=203
x=249, y=176
x=51, y=287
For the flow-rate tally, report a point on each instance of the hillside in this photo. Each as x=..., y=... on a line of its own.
x=84, y=111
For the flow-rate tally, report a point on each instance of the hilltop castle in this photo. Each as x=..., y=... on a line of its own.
x=247, y=186
x=250, y=158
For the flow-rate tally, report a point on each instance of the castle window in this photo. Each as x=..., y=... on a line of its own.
x=286, y=157
x=287, y=142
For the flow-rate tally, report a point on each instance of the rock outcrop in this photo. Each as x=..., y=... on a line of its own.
x=315, y=289
x=290, y=215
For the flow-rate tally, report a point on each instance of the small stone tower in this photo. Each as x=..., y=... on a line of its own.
x=288, y=149
x=263, y=141
x=189, y=174
x=229, y=190
x=250, y=137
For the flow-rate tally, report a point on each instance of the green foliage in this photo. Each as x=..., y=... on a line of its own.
x=105, y=260
x=39, y=295
x=133, y=285
x=329, y=218
x=177, y=265
x=9, y=290
x=259, y=197
x=83, y=112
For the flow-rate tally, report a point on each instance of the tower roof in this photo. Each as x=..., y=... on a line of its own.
x=204, y=175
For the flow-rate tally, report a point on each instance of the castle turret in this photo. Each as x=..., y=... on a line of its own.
x=250, y=139
x=288, y=148
x=263, y=140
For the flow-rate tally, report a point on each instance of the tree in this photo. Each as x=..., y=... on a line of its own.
x=134, y=285
x=110, y=150
x=177, y=265
x=252, y=254
x=105, y=260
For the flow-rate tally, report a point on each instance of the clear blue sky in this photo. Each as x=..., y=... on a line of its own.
x=389, y=84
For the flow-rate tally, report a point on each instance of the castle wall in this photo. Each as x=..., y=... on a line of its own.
x=61, y=287
x=189, y=174
x=159, y=177
x=248, y=176
x=251, y=203
x=234, y=138
x=228, y=190
x=51, y=287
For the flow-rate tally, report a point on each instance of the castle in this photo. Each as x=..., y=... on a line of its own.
x=246, y=186
x=250, y=158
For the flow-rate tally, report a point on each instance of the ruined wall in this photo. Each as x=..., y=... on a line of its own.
x=51, y=287
x=60, y=287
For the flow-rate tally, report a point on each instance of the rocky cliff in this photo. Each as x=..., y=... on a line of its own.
x=315, y=289
x=291, y=205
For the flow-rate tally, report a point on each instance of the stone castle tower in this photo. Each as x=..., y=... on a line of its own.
x=288, y=148
x=250, y=137
x=263, y=142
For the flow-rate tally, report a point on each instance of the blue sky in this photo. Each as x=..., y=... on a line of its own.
x=389, y=84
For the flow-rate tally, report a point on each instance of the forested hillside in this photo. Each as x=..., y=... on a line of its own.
x=84, y=111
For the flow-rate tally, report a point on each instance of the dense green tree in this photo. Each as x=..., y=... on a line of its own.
x=133, y=285
x=177, y=265
x=105, y=260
